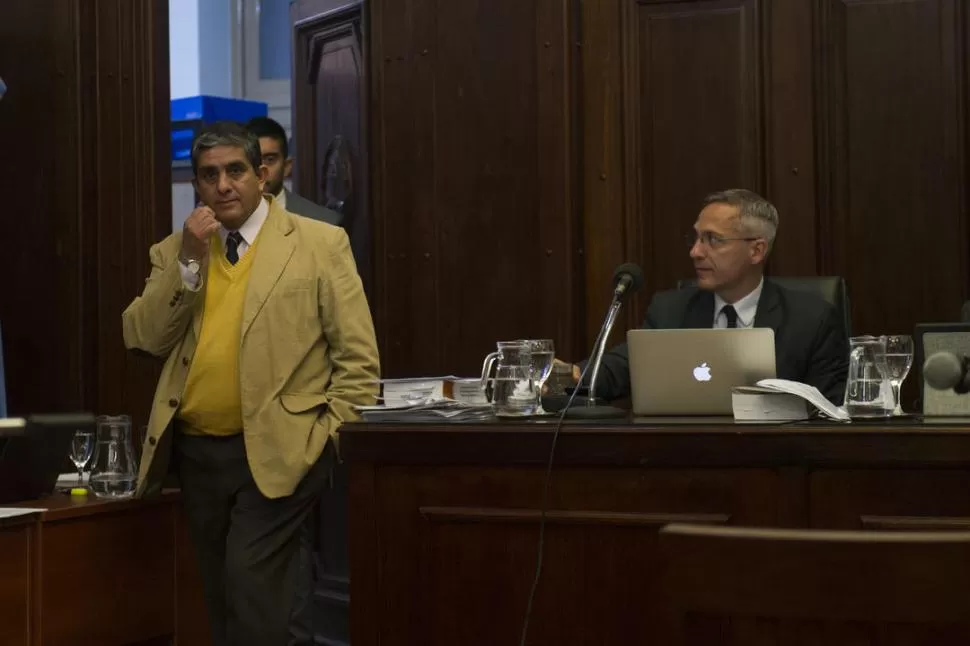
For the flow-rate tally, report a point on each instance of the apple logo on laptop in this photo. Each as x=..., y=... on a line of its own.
x=702, y=372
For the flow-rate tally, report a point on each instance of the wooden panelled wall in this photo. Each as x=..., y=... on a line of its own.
x=86, y=189
x=521, y=150
x=518, y=151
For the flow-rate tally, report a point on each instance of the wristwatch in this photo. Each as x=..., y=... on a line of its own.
x=193, y=265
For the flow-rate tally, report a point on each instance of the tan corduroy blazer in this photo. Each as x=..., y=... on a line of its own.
x=308, y=352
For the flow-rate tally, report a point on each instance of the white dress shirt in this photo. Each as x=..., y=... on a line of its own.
x=746, y=308
x=280, y=198
x=248, y=231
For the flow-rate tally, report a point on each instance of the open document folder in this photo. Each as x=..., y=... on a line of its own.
x=777, y=400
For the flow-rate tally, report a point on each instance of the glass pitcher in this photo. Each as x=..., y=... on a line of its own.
x=513, y=390
x=868, y=392
x=113, y=469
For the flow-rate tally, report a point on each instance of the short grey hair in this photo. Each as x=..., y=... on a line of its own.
x=758, y=216
x=226, y=133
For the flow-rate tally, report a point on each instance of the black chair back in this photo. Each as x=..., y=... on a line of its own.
x=832, y=289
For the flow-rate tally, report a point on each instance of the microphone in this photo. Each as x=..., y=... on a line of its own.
x=946, y=371
x=627, y=279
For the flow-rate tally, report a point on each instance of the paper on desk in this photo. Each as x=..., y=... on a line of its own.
x=811, y=394
x=430, y=410
x=411, y=380
x=13, y=512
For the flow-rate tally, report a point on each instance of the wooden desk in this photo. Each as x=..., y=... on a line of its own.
x=105, y=573
x=444, y=519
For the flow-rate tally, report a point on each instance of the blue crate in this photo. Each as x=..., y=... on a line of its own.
x=183, y=134
x=191, y=114
x=209, y=109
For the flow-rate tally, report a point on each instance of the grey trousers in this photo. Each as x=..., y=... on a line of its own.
x=254, y=552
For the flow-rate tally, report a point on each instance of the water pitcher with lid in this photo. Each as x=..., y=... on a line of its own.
x=513, y=390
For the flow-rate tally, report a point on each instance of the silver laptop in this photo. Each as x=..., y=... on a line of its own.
x=692, y=372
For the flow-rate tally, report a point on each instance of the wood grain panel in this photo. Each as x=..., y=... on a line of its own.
x=764, y=587
x=476, y=234
x=88, y=116
x=127, y=171
x=915, y=523
x=485, y=177
x=571, y=517
x=444, y=522
x=409, y=314
x=789, y=115
x=558, y=146
x=330, y=115
x=73, y=575
x=603, y=135
x=501, y=176
x=873, y=499
x=42, y=316
x=476, y=530
x=15, y=593
x=498, y=563
x=891, y=147
x=698, y=109
x=674, y=106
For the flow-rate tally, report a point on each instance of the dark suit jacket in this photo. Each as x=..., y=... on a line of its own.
x=810, y=340
x=312, y=210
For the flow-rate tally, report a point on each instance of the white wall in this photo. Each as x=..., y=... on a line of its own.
x=215, y=47
x=183, y=29
x=200, y=47
x=183, y=201
x=200, y=62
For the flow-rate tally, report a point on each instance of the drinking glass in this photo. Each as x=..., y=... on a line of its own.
x=543, y=353
x=899, y=359
x=82, y=446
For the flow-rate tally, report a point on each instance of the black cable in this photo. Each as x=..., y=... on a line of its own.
x=540, y=548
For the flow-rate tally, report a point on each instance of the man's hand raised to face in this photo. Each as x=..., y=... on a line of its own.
x=198, y=229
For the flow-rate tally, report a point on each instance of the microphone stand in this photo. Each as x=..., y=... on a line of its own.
x=592, y=410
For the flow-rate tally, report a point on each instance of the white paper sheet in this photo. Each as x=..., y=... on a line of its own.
x=14, y=512
x=809, y=393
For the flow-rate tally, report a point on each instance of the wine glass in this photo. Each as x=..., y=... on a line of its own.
x=82, y=446
x=543, y=352
x=899, y=359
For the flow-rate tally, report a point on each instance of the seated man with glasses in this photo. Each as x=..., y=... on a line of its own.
x=730, y=243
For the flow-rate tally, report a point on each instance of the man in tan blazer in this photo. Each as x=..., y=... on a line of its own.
x=268, y=345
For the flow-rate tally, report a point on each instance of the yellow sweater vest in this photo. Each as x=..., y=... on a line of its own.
x=211, y=402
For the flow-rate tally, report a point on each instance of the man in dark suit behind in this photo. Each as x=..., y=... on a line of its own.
x=273, y=146
x=730, y=243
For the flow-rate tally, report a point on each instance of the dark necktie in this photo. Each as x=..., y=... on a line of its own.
x=232, y=247
x=731, y=315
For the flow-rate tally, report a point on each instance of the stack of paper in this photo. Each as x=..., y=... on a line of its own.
x=758, y=404
x=417, y=390
x=782, y=400
x=435, y=410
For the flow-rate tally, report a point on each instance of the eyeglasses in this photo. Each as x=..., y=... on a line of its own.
x=710, y=240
